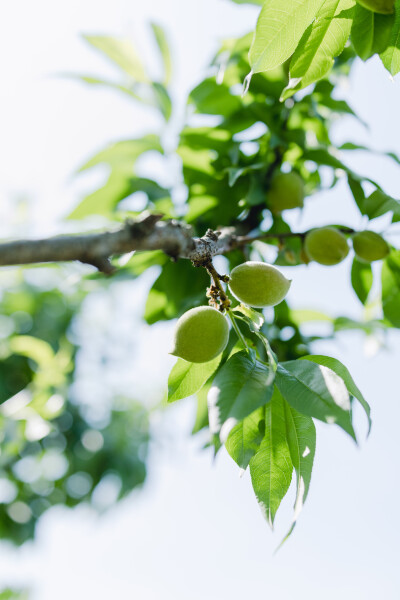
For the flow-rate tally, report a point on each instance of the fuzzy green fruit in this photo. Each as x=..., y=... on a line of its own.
x=384, y=7
x=286, y=191
x=258, y=284
x=200, y=334
x=326, y=246
x=370, y=246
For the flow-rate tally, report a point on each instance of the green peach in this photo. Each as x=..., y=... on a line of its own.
x=200, y=334
x=286, y=191
x=384, y=7
x=258, y=284
x=370, y=246
x=326, y=246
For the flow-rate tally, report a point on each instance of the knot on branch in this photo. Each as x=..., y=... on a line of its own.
x=142, y=226
x=204, y=248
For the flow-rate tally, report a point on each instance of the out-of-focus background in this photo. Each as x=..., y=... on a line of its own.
x=194, y=529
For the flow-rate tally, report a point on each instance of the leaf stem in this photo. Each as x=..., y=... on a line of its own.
x=237, y=330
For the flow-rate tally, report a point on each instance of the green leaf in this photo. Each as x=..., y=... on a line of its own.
x=279, y=30
x=337, y=367
x=110, y=84
x=36, y=349
x=315, y=391
x=362, y=32
x=163, y=46
x=255, y=316
x=321, y=43
x=121, y=52
x=162, y=100
x=391, y=56
x=357, y=191
x=383, y=25
x=103, y=201
x=301, y=438
x=121, y=157
x=123, y=154
x=179, y=287
x=271, y=467
x=188, y=378
x=201, y=420
x=245, y=438
x=361, y=279
x=241, y=386
x=141, y=261
x=213, y=98
x=391, y=287
x=379, y=203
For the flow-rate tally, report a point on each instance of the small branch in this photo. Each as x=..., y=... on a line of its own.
x=244, y=240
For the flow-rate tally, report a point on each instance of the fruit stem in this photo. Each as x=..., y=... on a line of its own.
x=237, y=330
x=220, y=292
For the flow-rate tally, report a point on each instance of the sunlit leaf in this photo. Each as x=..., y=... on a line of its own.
x=188, y=378
x=391, y=287
x=121, y=52
x=279, y=30
x=301, y=438
x=163, y=46
x=241, y=386
x=315, y=391
x=361, y=279
x=321, y=43
x=391, y=55
x=271, y=467
x=245, y=438
x=337, y=367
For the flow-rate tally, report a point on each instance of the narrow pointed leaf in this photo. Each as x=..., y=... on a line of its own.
x=361, y=279
x=241, y=386
x=271, y=468
x=123, y=154
x=315, y=391
x=301, y=438
x=335, y=365
x=362, y=32
x=245, y=438
x=391, y=56
x=163, y=46
x=121, y=52
x=321, y=43
x=379, y=203
x=391, y=287
x=279, y=30
x=188, y=378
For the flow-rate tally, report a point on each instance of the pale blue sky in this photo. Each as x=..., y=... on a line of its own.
x=195, y=531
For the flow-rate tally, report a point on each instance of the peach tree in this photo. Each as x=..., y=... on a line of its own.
x=254, y=146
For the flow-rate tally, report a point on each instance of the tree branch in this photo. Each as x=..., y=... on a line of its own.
x=146, y=233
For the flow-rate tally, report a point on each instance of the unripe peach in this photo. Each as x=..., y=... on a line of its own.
x=384, y=7
x=326, y=246
x=286, y=191
x=258, y=284
x=200, y=334
x=370, y=246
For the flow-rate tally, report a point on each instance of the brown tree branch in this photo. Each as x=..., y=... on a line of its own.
x=146, y=233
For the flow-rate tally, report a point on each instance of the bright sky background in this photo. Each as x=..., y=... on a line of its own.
x=195, y=531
